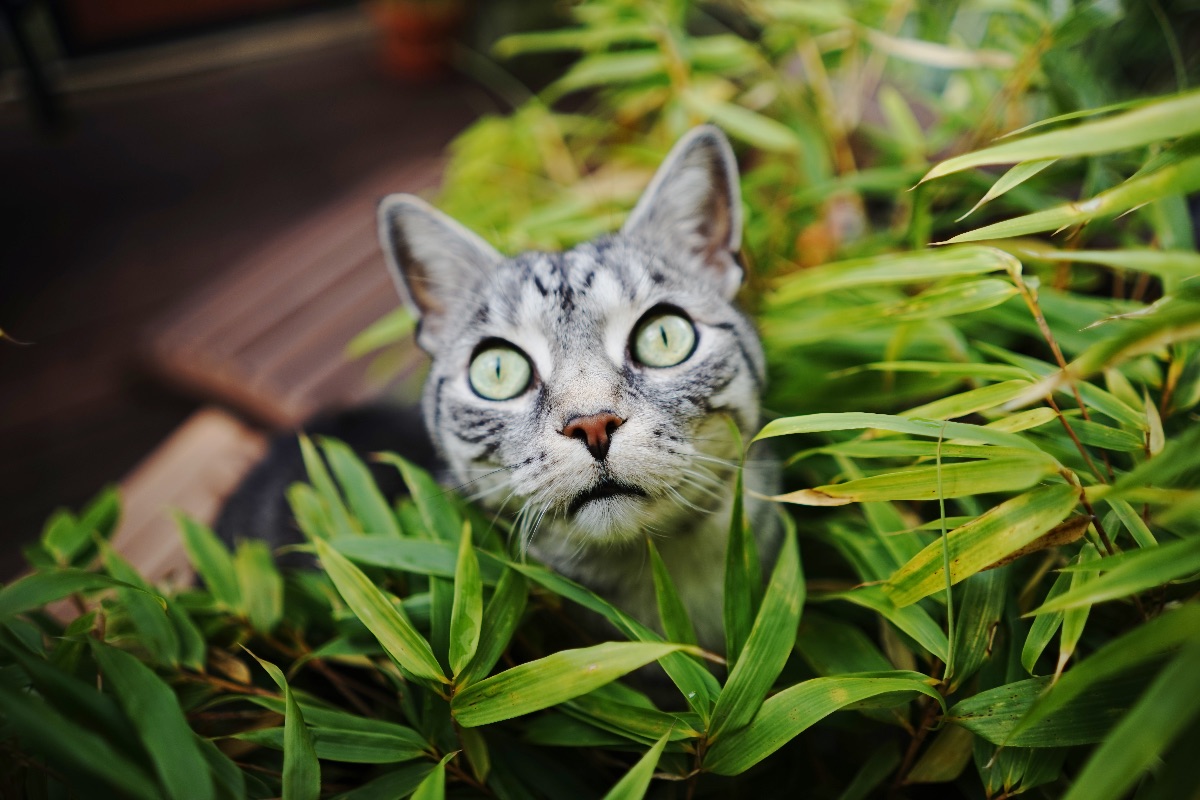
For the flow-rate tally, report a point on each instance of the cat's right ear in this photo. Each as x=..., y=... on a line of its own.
x=432, y=259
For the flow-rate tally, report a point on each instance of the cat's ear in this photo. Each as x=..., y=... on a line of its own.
x=693, y=207
x=432, y=258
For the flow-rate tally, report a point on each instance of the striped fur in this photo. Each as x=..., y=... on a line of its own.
x=572, y=314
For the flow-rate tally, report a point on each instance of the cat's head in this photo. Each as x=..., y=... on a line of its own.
x=593, y=386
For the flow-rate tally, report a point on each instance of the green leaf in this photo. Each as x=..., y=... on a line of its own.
x=364, y=498
x=1145, y=643
x=331, y=502
x=1074, y=619
x=68, y=746
x=635, y=722
x=945, y=759
x=1009, y=180
x=741, y=573
x=799, y=707
x=162, y=728
x=155, y=630
x=634, y=784
x=768, y=646
x=551, y=680
x=355, y=747
x=301, y=769
x=400, y=782
x=958, y=479
x=742, y=123
x=1138, y=571
x=890, y=269
x=259, y=584
x=500, y=620
x=834, y=647
x=969, y=402
x=213, y=561
x=1044, y=626
x=676, y=623
x=911, y=619
x=433, y=787
x=983, y=541
x=40, y=588
x=1172, y=266
x=1179, y=178
x=466, y=615
x=605, y=69
x=698, y=686
x=843, y=421
x=1136, y=744
x=994, y=714
x=1167, y=118
x=978, y=612
x=434, y=503
x=387, y=623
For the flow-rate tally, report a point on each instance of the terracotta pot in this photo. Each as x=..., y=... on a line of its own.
x=417, y=36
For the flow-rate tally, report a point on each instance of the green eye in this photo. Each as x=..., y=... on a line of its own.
x=664, y=340
x=499, y=372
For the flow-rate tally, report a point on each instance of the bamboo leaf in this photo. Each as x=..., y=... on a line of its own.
x=1168, y=118
x=844, y=421
x=69, y=746
x=1139, y=646
x=1166, y=708
x=911, y=619
x=768, y=646
x=212, y=560
x=698, y=686
x=1074, y=619
x=676, y=623
x=162, y=728
x=500, y=620
x=434, y=503
x=259, y=584
x=366, y=503
x=1010, y=180
x=634, y=784
x=551, y=680
x=1180, y=178
x=977, y=613
x=389, y=329
x=799, y=707
x=433, y=787
x=960, y=479
x=983, y=541
x=994, y=714
x=1172, y=266
x=891, y=269
x=466, y=614
x=331, y=501
x=742, y=123
x=1138, y=571
x=301, y=770
x=397, y=635
x=1044, y=626
x=741, y=572
x=354, y=747
x=40, y=588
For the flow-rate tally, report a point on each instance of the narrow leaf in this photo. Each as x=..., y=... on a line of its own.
x=397, y=635
x=301, y=769
x=466, y=614
x=634, y=784
x=677, y=625
x=551, y=680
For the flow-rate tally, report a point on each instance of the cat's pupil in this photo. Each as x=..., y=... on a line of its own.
x=662, y=329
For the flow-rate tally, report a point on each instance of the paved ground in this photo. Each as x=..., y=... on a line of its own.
x=152, y=191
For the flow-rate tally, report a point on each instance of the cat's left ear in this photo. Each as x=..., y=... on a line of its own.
x=693, y=208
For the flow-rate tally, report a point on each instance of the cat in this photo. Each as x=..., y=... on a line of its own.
x=593, y=390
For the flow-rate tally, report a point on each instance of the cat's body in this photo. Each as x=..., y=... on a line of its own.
x=594, y=393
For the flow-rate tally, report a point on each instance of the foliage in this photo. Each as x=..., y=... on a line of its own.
x=992, y=462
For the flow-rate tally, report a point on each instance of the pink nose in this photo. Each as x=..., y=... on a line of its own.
x=594, y=430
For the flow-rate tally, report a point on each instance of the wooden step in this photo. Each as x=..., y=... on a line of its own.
x=268, y=337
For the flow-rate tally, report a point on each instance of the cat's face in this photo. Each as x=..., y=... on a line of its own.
x=594, y=387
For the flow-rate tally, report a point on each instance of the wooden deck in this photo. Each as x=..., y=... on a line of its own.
x=170, y=205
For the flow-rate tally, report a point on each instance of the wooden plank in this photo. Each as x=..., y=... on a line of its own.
x=268, y=338
x=192, y=471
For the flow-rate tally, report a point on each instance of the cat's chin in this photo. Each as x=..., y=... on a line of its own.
x=603, y=518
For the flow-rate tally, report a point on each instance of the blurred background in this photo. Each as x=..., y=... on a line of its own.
x=151, y=155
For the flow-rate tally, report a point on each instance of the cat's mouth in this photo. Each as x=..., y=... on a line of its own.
x=606, y=488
